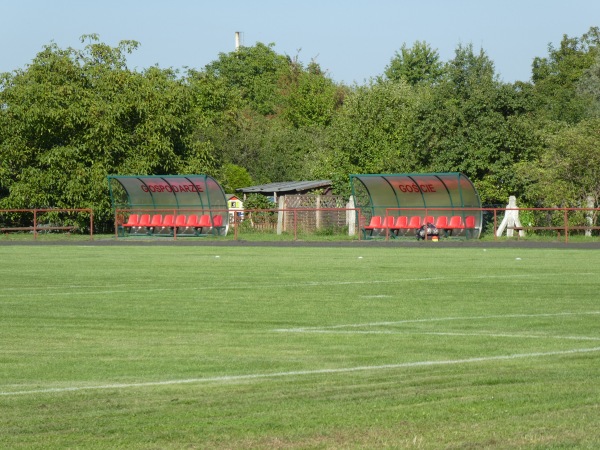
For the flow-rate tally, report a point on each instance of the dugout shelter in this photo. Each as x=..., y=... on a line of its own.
x=398, y=204
x=181, y=205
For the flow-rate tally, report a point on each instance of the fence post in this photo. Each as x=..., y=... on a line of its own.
x=295, y=226
x=590, y=215
x=281, y=215
x=351, y=216
x=91, y=224
x=318, y=213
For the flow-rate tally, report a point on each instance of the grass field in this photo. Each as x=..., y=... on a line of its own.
x=171, y=347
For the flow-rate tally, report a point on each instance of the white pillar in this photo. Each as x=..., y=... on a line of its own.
x=351, y=217
x=281, y=215
x=589, y=214
x=318, y=213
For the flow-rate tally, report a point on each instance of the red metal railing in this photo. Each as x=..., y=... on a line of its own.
x=36, y=227
x=271, y=220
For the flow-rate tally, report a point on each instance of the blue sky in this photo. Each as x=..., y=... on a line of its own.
x=353, y=40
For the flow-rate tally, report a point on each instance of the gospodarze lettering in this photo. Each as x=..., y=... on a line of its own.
x=169, y=188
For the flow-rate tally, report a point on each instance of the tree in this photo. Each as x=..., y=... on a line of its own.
x=233, y=177
x=415, y=65
x=73, y=117
x=254, y=72
x=370, y=133
x=568, y=172
x=589, y=86
x=474, y=124
x=309, y=97
x=557, y=76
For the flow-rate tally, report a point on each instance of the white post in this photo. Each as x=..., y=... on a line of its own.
x=318, y=213
x=590, y=215
x=281, y=215
x=351, y=217
x=511, y=219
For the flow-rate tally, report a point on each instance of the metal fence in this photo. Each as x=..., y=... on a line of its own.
x=312, y=222
x=47, y=220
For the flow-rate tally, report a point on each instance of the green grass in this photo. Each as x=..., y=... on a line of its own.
x=145, y=347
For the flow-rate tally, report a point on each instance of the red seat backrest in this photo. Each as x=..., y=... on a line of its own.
x=415, y=222
x=204, y=221
x=401, y=222
x=375, y=222
x=470, y=222
x=132, y=220
x=180, y=220
x=388, y=221
x=157, y=220
x=456, y=222
x=218, y=221
x=428, y=219
x=144, y=220
x=441, y=222
x=192, y=220
x=169, y=220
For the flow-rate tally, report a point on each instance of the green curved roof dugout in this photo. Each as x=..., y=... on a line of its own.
x=181, y=193
x=410, y=194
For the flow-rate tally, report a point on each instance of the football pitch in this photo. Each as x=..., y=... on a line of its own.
x=169, y=347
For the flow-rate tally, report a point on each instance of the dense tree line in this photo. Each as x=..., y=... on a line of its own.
x=72, y=117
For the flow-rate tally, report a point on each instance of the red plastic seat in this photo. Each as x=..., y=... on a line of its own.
x=144, y=220
x=470, y=222
x=157, y=220
x=456, y=223
x=441, y=222
x=169, y=221
x=414, y=223
x=218, y=224
x=192, y=221
x=428, y=219
x=132, y=221
x=204, y=221
x=374, y=224
x=388, y=222
x=401, y=223
x=180, y=221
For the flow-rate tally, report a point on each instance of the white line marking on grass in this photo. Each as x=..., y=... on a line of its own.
x=257, y=376
x=433, y=319
x=520, y=336
x=439, y=333
x=232, y=287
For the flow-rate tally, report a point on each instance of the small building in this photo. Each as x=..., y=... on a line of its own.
x=236, y=207
x=308, y=205
x=274, y=190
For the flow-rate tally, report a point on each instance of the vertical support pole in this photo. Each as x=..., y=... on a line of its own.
x=589, y=215
x=295, y=227
x=91, y=224
x=566, y=227
x=318, y=213
x=351, y=217
x=281, y=214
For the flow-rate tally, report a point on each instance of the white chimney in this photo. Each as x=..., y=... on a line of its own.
x=237, y=41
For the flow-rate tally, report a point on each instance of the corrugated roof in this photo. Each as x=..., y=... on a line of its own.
x=285, y=186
